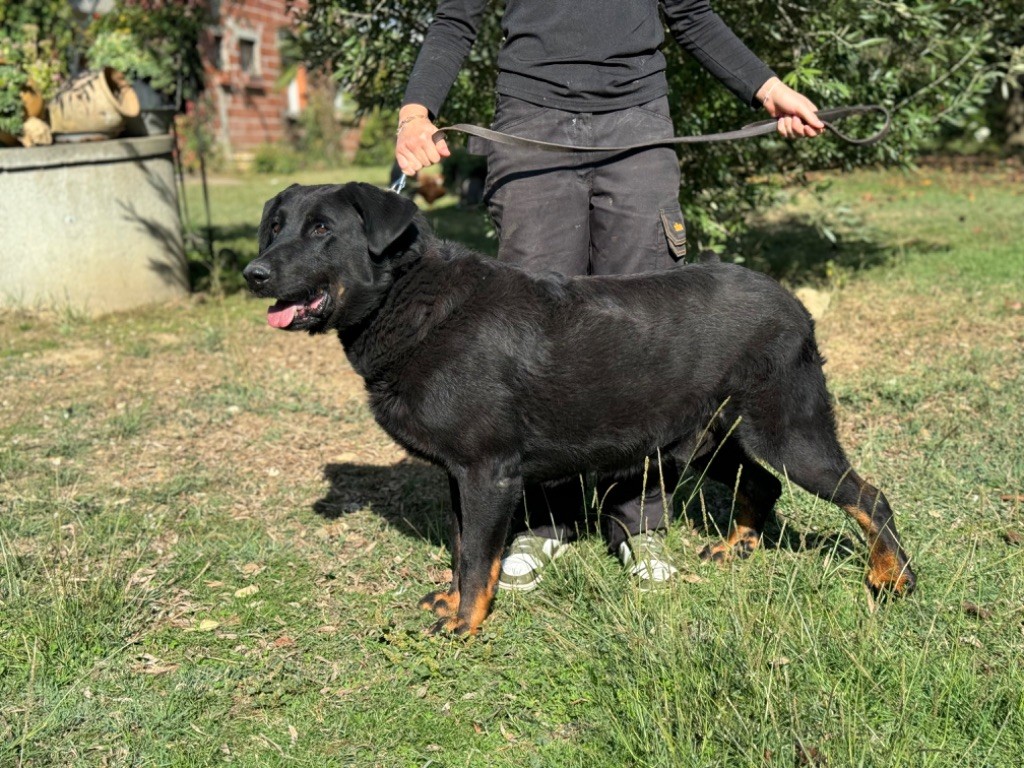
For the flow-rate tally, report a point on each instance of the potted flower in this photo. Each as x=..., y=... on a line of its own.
x=154, y=43
x=30, y=73
x=153, y=81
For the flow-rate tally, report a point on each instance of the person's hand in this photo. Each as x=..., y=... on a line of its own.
x=795, y=111
x=415, y=148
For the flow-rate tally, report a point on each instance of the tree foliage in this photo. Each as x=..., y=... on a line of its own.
x=154, y=40
x=931, y=63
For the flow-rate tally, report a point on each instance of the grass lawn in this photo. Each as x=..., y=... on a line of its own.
x=210, y=554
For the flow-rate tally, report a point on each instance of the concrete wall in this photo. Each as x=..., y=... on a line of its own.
x=92, y=227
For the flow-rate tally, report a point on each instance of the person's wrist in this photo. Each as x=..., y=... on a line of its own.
x=411, y=113
x=764, y=93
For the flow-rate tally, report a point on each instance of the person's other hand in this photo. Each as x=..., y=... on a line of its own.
x=415, y=147
x=796, y=113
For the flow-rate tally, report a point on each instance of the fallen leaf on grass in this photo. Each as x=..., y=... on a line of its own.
x=151, y=665
x=206, y=625
x=976, y=611
x=283, y=641
x=439, y=575
x=252, y=589
x=810, y=756
x=1013, y=538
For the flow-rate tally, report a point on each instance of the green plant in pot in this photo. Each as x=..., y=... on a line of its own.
x=153, y=80
x=30, y=74
x=152, y=41
x=12, y=110
x=121, y=49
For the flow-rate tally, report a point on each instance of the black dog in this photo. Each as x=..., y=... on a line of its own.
x=503, y=378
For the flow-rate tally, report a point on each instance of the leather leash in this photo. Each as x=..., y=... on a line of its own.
x=761, y=128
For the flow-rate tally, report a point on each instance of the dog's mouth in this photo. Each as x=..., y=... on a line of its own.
x=300, y=315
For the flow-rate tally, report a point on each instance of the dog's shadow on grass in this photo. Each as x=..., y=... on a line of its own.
x=709, y=509
x=410, y=496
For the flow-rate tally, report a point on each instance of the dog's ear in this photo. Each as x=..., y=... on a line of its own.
x=386, y=215
x=263, y=234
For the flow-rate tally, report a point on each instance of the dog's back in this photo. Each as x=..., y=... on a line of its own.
x=609, y=367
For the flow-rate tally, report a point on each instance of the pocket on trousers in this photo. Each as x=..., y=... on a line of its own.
x=675, y=230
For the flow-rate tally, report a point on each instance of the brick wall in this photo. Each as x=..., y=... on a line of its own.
x=243, y=63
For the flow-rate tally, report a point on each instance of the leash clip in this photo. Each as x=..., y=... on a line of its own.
x=398, y=185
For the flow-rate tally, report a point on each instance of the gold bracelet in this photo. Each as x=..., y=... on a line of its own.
x=408, y=120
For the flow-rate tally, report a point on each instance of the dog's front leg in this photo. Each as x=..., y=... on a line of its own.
x=487, y=497
x=446, y=603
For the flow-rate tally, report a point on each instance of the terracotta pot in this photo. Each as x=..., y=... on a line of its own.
x=98, y=101
x=32, y=102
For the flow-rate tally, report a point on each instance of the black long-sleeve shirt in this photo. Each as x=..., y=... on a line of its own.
x=583, y=55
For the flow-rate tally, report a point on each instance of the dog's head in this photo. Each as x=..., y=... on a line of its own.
x=321, y=246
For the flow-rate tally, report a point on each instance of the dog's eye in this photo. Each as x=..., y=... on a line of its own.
x=275, y=228
x=320, y=229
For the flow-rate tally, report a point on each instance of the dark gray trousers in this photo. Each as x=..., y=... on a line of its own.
x=588, y=214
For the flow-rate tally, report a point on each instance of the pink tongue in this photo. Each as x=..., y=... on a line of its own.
x=281, y=314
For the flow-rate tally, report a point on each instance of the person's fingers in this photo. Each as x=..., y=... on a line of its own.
x=418, y=144
x=408, y=162
x=422, y=152
x=809, y=115
x=785, y=127
x=406, y=156
x=797, y=114
x=810, y=131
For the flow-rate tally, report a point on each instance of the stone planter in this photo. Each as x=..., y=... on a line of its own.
x=92, y=227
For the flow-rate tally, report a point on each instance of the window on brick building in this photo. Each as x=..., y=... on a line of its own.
x=248, y=54
x=217, y=49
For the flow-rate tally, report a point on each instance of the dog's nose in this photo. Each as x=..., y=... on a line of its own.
x=256, y=274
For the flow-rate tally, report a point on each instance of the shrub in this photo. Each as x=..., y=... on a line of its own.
x=276, y=158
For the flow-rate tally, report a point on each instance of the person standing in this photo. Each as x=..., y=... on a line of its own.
x=587, y=74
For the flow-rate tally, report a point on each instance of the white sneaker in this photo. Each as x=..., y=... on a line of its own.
x=526, y=558
x=647, y=560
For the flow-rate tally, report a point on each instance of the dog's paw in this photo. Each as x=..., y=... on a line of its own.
x=895, y=580
x=440, y=603
x=453, y=626
x=740, y=548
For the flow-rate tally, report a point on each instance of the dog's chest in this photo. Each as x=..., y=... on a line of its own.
x=407, y=417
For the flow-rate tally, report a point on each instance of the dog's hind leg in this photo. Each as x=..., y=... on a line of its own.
x=809, y=454
x=487, y=497
x=756, y=491
x=888, y=565
x=445, y=603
